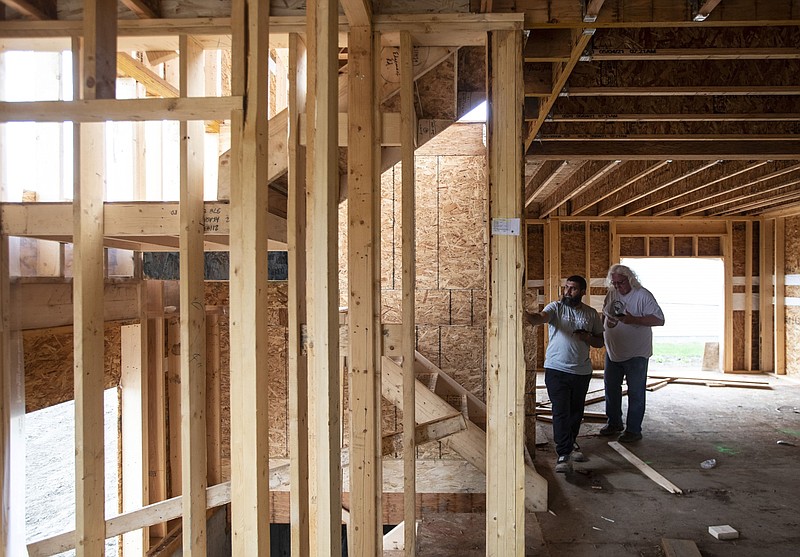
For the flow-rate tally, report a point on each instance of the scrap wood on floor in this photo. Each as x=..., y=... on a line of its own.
x=644, y=468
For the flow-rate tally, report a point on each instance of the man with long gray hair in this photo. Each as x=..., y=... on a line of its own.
x=630, y=311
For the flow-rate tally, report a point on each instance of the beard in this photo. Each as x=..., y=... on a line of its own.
x=570, y=301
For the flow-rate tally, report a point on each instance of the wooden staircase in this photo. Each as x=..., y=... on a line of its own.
x=439, y=397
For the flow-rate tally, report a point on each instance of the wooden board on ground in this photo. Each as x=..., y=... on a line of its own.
x=679, y=548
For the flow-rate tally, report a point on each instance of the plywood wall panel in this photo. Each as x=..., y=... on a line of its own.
x=792, y=251
x=464, y=356
x=462, y=228
x=708, y=246
x=535, y=252
x=48, y=361
x=427, y=247
x=738, y=346
x=573, y=249
x=792, y=340
x=278, y=371
x=599, y=240
x=739, y=248
x=461, y=307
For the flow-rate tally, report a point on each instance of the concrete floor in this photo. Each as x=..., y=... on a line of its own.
x=607, y=507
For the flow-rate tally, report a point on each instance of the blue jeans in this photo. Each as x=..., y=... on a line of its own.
x=567, y=392
x=634, y=371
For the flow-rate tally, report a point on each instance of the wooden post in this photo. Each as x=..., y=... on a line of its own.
x=727, y=348
x=156, y=408
x=193, y=309
x=363, y=304
x=409, y=274
x=505, y=467
x=173, y=395
x=325, y=469
x=134, y=432
x=248, y=284
x=213, y=401
x=766, y=259
x=748, y=296
x=297, y=356
x=12, y=410
x=780, y=295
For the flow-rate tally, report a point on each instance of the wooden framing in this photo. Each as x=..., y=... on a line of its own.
x=779, y=274
x=325, y=492
x=409, y=281
x=505, y=478
x=248, y=330
x=192, y=308
x=297, y=357
x=766, y=281
x=364, y=297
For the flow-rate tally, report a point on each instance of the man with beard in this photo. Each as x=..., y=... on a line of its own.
x=573, y=328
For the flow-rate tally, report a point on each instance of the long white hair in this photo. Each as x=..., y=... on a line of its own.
x=625, y=271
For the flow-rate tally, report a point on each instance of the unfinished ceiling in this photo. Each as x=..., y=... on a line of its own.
x=632, y=107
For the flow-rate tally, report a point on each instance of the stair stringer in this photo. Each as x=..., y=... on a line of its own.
x=470, y=443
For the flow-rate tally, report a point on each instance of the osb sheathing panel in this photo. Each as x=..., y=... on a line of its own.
x=48, y=361
x=463, y=356
x=472, y=68
x=792, y=243
x=739, y=241
x=755, y=341
x=631, y=246
x=529, y=333
x=792, y=340
x=684, y=246
x=462, y=228
x=436, y=96
x=432, y=307
x=429, y=344
x=390, y=230
x=391, y=301
x=707, y=246
x=600, y=248
x=461, y=307
x=573, y=249
x=343, y=213
x=427, y=218
x=792, y=291
x=535, y=252
x=738, y=345
x=479, y=307
x=659, y=246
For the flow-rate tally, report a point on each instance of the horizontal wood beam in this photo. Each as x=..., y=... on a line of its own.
x=628, y=173
x=216, y=496
x=122, y=110
x=661, y=150
x=141, y=220
x=636, y=131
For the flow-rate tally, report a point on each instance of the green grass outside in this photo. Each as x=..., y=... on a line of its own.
x=679, y=350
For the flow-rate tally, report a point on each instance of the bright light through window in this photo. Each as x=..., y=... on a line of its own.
x=477, y=114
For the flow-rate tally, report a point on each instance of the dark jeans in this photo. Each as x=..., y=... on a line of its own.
x=567, y=393
x=634, y=371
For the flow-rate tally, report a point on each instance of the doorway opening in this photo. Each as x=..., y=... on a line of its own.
x=691, y=293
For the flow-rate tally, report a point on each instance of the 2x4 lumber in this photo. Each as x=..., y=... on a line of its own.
x=644, y=468
x=358, y=13
x=435, y=430
x=470, y=443
x=297, y=355
x=140, y=220
x=174, y=420
x=748, y=295
x=322, y=293
x=126, y=522
x=447, y=386
x=12, y=409
x=134, y=431
x=213, y=400
x=505, y=466
x=766, y=264
x=153, y=83
x=409, y=278
x=156, y=409
x=679, y=548
x=248, y=283
x=727, y=250
x=123, y=110
x=666, y=149
x=779, y=273
x=363, y=300
x=192, y=308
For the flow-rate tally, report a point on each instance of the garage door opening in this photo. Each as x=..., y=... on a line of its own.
x=691, y=292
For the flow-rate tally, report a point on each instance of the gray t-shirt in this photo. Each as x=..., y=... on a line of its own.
x=565, y=352
x=624, y=342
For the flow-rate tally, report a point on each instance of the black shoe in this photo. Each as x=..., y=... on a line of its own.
x=609, y=429
x=629, y=437
x=563, y=465
x=577, y=455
